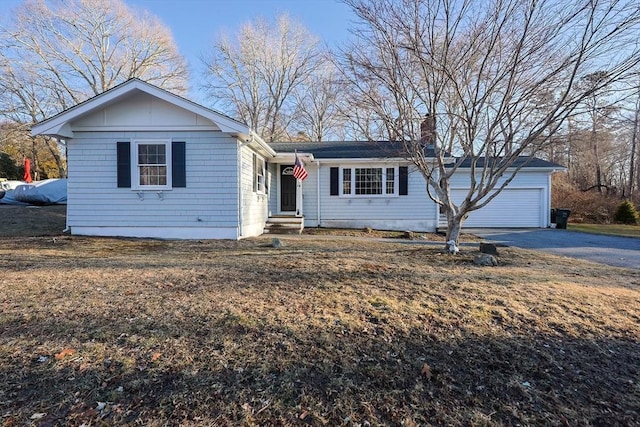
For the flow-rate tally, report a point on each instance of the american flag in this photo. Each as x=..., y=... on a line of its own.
x=299, y=172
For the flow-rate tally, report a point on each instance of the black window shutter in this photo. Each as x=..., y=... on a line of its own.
x=124, y=164
x=255, y=173
x=334, y=181
x=266, y=175
x=178, y=164
x=403, y=183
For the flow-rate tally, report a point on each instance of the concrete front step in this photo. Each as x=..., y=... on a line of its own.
x=284, y=225
x=285, y=219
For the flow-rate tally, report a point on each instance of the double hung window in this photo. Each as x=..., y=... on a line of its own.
x=152, y=164
x=368, y=181
x=259, y=175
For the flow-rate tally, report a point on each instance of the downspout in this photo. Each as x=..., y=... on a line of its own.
x=67, y=229
x=240, y=196
x=318, y=193
x=548, y=213
x=239, y=172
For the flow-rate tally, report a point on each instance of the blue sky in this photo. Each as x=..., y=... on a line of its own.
x=195, y=23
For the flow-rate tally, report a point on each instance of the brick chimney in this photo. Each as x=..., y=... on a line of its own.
x=428, y=129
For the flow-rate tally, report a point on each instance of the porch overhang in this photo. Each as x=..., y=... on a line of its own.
x=291, y=157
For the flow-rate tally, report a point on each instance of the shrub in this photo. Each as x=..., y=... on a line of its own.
x=585, y=206
x=8, y=168
x=627, y=213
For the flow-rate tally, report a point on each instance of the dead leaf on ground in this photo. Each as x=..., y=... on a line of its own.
x=155, y=356
x=64, y=353
x=426, y=371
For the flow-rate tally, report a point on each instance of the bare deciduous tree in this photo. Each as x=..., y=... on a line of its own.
x=634, y=182
x=255, y=75
x=319, y=103
x=478, y=68
x=55, y=54
x=598, y=110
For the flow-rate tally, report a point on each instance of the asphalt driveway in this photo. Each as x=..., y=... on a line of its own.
x=610, y=250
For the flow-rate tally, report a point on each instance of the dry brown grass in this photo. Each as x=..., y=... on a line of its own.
x=323, y=331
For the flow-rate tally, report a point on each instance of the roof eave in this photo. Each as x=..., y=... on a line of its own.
x=290, y=157
x=254, y=141
x=52, y=125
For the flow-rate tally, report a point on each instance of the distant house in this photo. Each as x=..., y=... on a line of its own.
x=144, y=162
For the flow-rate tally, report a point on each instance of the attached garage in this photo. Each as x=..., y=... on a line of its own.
x=512, y=208
x=524, y=203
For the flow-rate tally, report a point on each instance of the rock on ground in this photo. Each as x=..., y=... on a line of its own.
x=488, y=248
x=485, y=260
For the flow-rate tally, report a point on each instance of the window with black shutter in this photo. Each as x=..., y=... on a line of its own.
x=151, y=164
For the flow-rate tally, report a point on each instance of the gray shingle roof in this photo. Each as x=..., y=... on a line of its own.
x=531, y=162
x=344, y=149
x=378, y=150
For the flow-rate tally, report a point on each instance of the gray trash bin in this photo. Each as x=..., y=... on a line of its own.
x=562, y=217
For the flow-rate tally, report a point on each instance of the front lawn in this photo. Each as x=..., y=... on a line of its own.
x=322, y=331
x=608, y=229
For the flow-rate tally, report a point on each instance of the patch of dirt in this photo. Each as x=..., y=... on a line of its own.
x=384, y=234
x=30, y=221
x=322, y=331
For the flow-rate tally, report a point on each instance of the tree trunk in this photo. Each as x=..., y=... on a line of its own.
x=54, y=152
x=34, y=161
x=454, y=226
x=596, y=153
x=634, y=144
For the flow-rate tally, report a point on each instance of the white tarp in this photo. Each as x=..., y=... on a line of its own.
x=7, y=187
x=47, y=192
x=10, y=185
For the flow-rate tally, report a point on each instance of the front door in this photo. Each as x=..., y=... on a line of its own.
x=287, y=189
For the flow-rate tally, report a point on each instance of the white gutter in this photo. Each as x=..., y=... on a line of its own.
x=254, y=137
x=366, y=160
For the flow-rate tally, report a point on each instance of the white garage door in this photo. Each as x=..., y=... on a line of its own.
x=518, y=207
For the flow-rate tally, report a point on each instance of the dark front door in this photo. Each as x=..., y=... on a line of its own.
x=287, y=189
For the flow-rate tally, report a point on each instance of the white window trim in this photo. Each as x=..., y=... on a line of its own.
x=396, y=183
x=261, y=186
x=135, y=171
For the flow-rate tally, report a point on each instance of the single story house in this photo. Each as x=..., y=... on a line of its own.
x=143, y=162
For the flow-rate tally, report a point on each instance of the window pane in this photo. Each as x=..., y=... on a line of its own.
x=153, y=175
x=390, y=180
x=152, y=164
x=162, y=155
x=368, y=181
x=152, y=154
x=346, y=181
x=142, y=155
x=259, y=175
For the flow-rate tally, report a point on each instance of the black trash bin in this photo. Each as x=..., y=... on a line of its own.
x=562, y=217
x=553, y=216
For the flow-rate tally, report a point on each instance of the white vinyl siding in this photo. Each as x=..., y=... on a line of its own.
x=272, y=187
x=254, y=203
x=142, y=112
x=414, y=211
x=209, y=201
